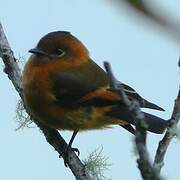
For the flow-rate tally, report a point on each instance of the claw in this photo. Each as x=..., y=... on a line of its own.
x=66, y=154
x=68, y=148
x=76, y=150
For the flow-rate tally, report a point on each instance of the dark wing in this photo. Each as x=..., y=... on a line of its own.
x=132, y=94
x=87, y=85
x=70, y=86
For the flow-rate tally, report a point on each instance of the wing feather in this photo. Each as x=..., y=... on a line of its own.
x=88, y=85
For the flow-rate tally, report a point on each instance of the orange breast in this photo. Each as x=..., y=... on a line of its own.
x=40, y=101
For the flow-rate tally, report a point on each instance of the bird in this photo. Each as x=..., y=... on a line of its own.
x=64, y=89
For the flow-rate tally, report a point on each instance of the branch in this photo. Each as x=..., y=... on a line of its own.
x=11, y=67
x=148, y=171
x=52, y=136
x=169, y=135
x=160, y=17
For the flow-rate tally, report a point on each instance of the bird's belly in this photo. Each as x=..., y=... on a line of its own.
x=86, y=118
x=82, y=118
x=65, y=118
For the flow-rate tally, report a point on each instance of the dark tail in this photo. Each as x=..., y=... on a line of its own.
x=155, y=124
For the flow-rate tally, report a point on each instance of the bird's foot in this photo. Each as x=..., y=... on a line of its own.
x=66, y=152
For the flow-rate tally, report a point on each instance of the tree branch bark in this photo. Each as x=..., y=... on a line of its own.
x=169, y=135
x=52, y=136
x=148, y=171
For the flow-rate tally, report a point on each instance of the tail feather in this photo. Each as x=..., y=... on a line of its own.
x=155, y=124
x=129, y=128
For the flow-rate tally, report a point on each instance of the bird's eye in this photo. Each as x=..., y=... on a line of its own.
x=60, y=52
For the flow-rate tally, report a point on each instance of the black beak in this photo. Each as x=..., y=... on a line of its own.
x=38, y=52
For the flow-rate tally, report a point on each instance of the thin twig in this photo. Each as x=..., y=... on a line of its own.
x=51, y=135
x=148, y=171
x=169, y=135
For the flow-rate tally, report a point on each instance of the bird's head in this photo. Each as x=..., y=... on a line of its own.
x=59, y=46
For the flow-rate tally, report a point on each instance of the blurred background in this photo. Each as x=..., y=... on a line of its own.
x=142, y=56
